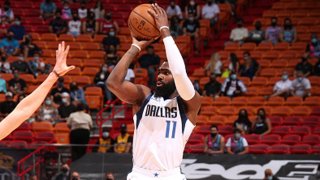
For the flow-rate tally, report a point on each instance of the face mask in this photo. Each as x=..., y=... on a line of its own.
x=17, y=22
x=10, y=37
x=105, y=134
x=172, y=6
x=300, y=79
x=104, y=69
x=48, y=102
x=237, y=135
x=239, y=25
x=258, y=27
x=64, y=170
x=102, y=76
x=65, y=100
x=108, y=17
x=273, y=24
x=233, y=76
x=270, y=177
x=284, y=77
x=74, y=178
x=123, y=131
x=36, y=58
x=192, y=3
x=191, y=18
x=314, y=40
x=209, y=3
x=112, y=33
x=213, y=134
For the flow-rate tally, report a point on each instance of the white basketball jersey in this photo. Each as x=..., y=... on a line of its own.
x=161, y=131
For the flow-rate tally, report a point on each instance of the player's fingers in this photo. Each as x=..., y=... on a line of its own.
x=62, y=46
x=156, y=10
x=152, y=13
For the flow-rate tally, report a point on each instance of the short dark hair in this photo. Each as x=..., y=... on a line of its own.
x=246, y=53
x=236, y=130
x=214, y=126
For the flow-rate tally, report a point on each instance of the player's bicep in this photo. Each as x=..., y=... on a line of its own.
x=131, y=93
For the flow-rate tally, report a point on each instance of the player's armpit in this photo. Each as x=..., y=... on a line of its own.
x=192, y=107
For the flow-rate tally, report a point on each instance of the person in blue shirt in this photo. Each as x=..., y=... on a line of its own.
x=9, y=45
x=77, y=93
x=18, y=30
x=3, y=85
x=214, y=143
x=47, y=9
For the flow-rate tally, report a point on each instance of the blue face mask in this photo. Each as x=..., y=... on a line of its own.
x=284, y=77
x=314, y=40
x=300, y=79
x=112, y=33
x=233, y=77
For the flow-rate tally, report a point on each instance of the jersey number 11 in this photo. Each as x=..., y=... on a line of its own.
x=168, y=127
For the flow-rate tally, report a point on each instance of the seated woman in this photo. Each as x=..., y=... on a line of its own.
x=214, y=143
x=214, y=66
x=262, y=125
x=243, y=123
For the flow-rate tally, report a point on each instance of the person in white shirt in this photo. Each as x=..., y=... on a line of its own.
x=240, y=33
x=174, y=10
x=74, y=25
x=210, y=11
x=301, y=86
x=237, y=144
x=233, y=87
x=282, y=87
x=82, y=11
x=130, y=75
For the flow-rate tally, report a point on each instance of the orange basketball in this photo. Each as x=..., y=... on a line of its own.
x=141, y=24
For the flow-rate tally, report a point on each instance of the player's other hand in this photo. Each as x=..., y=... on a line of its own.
x=160, y=15
x=61, y=60
x=141, y=43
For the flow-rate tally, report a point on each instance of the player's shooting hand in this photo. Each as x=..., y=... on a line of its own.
x=61, y=60
x=160, y=15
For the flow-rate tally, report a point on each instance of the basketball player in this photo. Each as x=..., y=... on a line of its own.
x=32, y=102
x=164, y=119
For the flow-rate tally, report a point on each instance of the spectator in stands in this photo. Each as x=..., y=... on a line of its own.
x=257, y=35
x=192, y=8
x=234, y=65
x=301, y=86
x=213, y=87
x=273, y=32
x=7, y=11
x=214, y=143
x=65, y=173
x=288, y=33
x=77, y=93
x=66, y=11
x=282, y=87
x=74, y=25
x=250, y=67
x=98, y=10
x=3, y=85
x=174, y=10
x=20, y=65
x=20, y=97
x=237, y=144
x=9, y=44
x=37, y=66
x=47, y=9
x=82, y=10
x=108, y=23
x=109, y=176
x=243, y=123
x=4, y=26
x=17, y=28
x=130, y=74
x=123, y=141
x=304, y=66
x=8, y=105
x=316, y=68
x=80, y=123
x=105, y=142
x=5, y=66
x=313, y=47
x=75, y=175
x=175, y=27
x=262, y=124
x=28, y=48
x=66, y=107
x=58, y=25
x=90, y=26
x=17, y=85
x=191, y=27
x=58, y=90
x=240, y=33
x=111, y=39
x=111, y=56
x=48, y=111
x=211, y=11
x=268, y=175
x=233, y=87
x=150, y=61
x=215, y=65
x=196, y=86
x=100, y=81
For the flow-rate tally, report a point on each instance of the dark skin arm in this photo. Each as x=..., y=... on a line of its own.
x=192, y=105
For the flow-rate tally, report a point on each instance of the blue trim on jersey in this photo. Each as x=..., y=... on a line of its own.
x=182, y=111
x=140, y=112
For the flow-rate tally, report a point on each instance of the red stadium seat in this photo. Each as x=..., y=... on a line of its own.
x=276, y=120
x=202, y=119
x=18, y=144
x=279, y=149
x=291, y=120
x=281, y=130
x=23, y=135
x=311, y=121
x=252, y=139
x=300, y=130
x=311, y=139
x=300, y=149
x=205, y=100
x=208, y=110
x=291, y=139
x=258, y=148
x=196, y=148
x=203, y=129
x=196, y=138
x=316, y=149
x=270, y=139
x=226, y=129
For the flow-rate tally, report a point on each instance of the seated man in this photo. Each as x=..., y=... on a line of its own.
x=105, y=142
x=8, y=105
x=58, y=25
x=282, y=87
x=250, y=68
x=273, y=32
x=17, y=85
x=305, y=66
x=233, y=87
x=9, y=45
x=237, y=144
x=191, y=27
x=20, y=65
x=257, y=34
x=212, y=88
x=47, y=9
x=210, y=11
x=174, y=10
x=239, y=34
x=111, y=40
x=313, y=47
x=123, y=141
x=301, y=86
x=214, y=143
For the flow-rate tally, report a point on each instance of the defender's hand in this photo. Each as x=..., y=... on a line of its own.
x=61, y=60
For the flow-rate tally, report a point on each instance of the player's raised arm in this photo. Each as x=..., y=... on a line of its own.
x=176, y=64
x=32, y=102
x=126, y=90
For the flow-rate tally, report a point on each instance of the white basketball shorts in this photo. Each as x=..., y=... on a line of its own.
x=145, y=174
